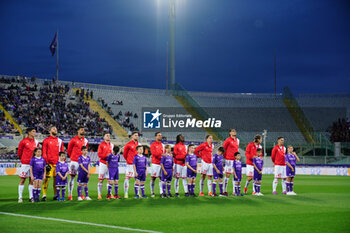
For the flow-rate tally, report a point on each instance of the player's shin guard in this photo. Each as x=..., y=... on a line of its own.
x=71, y=186
x=209, y=182
x=274, y=184
x=30, y=189
x=152, y=185
x=201, y=184
x=161, y=191
x=20, y=191
x=109, y=189
x=284, y=185
x=136, y=187
x=63, y=192
x=79, y=190
x=169, y=187
x=221, y=188
x=184, y=183
x=58, y=189
x=38, y=192
x=142, y=190
x=126, y=185
x=233, y=186
x=86, y=191
x=116, y=189
x=214, y=187
x=225, y=184
x=247, y=183
x=163, y=187
x=45, y=185
x=193, y=187
x=176, y=185
x=99, y=188
x=291, y=186
x=34, y=193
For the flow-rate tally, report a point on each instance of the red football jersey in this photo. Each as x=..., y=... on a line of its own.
x=130, y=151
x=180, y=152
x=278, y=155
x=157, y=149
x=104, y=149
x=205, y=151
x=26, y=148
x=74, y=147
x=250, y=152
x=51, y=147
x=231, y=146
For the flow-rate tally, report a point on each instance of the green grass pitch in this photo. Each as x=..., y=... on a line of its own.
x=322, y=205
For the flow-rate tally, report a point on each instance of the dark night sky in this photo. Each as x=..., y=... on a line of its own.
x=221, y=45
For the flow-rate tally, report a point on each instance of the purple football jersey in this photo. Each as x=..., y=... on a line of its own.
x=38, y=165
x=113, y=160
x=167, y=161
x=218, y=161
x=62, y=168
x=85, y=161
x=259, y=162
x=192, y=161
x=140, y=162
x=290, y=158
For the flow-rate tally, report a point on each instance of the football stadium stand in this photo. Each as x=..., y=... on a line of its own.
x=28, y=101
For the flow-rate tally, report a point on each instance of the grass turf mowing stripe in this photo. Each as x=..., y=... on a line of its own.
x=79, y=222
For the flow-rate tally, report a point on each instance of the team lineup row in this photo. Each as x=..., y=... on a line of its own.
x=178, y=162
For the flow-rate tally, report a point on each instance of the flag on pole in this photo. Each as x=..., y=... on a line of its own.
x=53, y=45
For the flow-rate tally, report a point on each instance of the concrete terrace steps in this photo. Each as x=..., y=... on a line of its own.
x=94, y=106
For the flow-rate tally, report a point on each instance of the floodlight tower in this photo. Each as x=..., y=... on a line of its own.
x=172, y=15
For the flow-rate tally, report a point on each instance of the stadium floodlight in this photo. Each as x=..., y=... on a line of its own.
x=264, y=135
x=172, y=16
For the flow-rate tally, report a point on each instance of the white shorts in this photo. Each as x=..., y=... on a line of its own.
x=129, y=172
x=73, y=168
x=280, y=172
x=155, y=170
x=24, y=171
x=180, y=171
x=103, y=171
x=207, y=168
x=228, y=167
x=250, y=170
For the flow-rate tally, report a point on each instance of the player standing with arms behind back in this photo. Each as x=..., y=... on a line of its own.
x=104, y=149
x=250, y=152
x=84, y=174
x=279, y=160
x=180, y=152
x=231, y=146
x=113, y=169
x=191, y=164
x=291, y=162
x=25, y=153
x=74, y=152
x=205, y=151
x=129, y=154
x=52, y=146
x=140, y=170
x=157, y=149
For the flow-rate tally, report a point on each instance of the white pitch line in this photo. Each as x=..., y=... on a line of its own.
x=78, y=222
